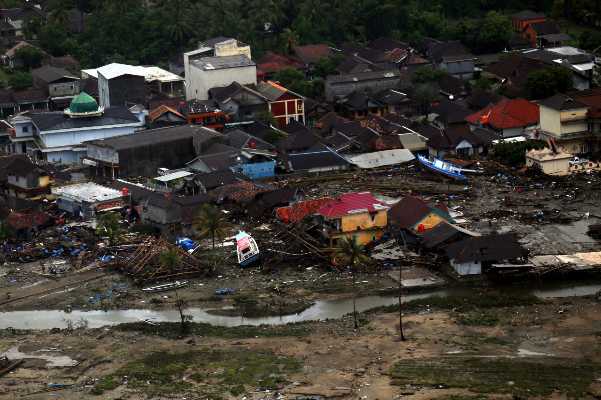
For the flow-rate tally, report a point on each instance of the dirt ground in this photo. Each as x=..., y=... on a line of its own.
x=335, y=361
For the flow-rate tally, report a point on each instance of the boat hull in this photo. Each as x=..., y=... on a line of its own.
x=458, y=176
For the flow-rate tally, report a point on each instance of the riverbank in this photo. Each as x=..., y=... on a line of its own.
x=460, y=333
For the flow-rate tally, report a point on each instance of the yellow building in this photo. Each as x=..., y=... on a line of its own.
x=357, y=215
x=565, y=120
x=416, y=215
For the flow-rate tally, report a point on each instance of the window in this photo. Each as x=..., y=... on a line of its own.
x=25, y=129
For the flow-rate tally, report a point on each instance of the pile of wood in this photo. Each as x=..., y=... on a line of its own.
x=144, y=264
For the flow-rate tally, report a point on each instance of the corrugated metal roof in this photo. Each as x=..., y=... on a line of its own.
x=381, y=158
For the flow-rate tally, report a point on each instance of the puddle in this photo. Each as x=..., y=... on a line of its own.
x=52, y=361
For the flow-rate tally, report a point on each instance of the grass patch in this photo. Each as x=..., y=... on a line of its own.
x=212, y=373
x=476, y=318
x=516, y=376
x=472, y=302
x=105, y=383
x=172, y=330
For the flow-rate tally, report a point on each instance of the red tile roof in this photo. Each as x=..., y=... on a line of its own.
x=273, y=62
x=352, y=203
x=507, y=114
x=312, y=53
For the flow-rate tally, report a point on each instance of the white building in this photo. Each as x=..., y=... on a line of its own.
x=209, y=72
x=58, y=137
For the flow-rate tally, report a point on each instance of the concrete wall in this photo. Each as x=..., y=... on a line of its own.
x=230, y=48
x=65, y=157
x=63, y=88
x=574, y=121
x=551, y=167
x=71, y=138
x=199, y=81
x=102, y=154
x=549, y=120
x=364, y=221
x=468, y=268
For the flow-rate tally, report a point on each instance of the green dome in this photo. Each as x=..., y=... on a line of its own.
x=83, y=103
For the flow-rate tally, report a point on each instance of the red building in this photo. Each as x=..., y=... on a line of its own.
x=206, y=114
x=284, y=105
x=521, y=20
x=272, y=63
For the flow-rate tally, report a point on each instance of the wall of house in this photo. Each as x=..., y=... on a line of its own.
x=65, y=157
x=230, y=48
x=23, y=128
x=429, y=221
x=104, y=154
x=463, y=69
x=199, y=81
x=363, y=221
x=360, y=237
x=512, y=132
x=59, y=89
x=549, y=120
x=465, y=148
x=550, y=167
x=467, y=268
x=30, y=181
x=573, y=121
x=126, y=89
x=258, y=170
x=77, y=137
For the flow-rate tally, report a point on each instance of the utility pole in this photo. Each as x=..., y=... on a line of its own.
x=402, y=338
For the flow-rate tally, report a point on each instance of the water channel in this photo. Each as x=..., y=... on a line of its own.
x=321, y=310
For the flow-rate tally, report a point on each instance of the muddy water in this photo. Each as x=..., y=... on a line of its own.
x=321, y=310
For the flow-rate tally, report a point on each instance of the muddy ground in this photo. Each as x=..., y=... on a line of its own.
x=455, y=349
x=550, y=216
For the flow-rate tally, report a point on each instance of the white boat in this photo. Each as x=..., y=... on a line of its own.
x=165, y=287
x=246, y=248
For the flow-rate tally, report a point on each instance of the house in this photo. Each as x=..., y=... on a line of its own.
x=212, y=180
x=414, y=214
x=565, y=120
x=446, y=113
x=284, y=105
x=442, y=235
x=25, y=180
x=357, y=105
x=206, y=113
x=120, y=84
x=394, y=101
x=299, y=139
x=337, y=86
x=512, y=73
x=240, y=102
x=357, y=216
x=452, y=57
x=9, y=58
x=271, y=63
x=316, y=161
x=166, y=116
x=206, y=73
x=169, y=209
x=145, y=152
x=544, y=34
x=475, y=255
x=548, y=161
x=522, y=19
x=87, y=199
x=580, y=63
x=242, y=140
x=58, y=137
x=60, y=85
x=457, y=140
x=517, y=117
x=592, y=99
x=311, y=54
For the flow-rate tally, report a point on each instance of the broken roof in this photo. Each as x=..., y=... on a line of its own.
x=352, y=203
x=88, y=192
x=486, y=248
x=410, y=210
x=162, y=110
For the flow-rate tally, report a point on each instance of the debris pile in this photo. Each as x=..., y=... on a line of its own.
x=144, y=264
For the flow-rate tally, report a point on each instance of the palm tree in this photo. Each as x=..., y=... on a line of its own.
x=210, y=222
x=170, y=259
x=109, y=225
x=354, y=253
